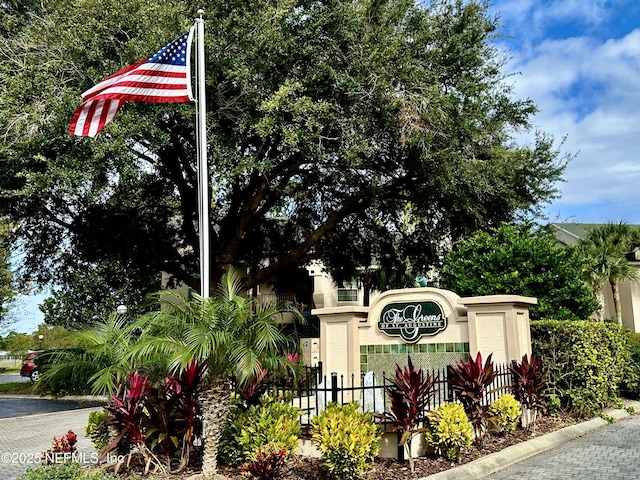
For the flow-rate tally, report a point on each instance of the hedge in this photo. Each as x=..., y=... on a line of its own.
x=587, y=362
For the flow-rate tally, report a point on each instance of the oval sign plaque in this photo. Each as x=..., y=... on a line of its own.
x=412, y=321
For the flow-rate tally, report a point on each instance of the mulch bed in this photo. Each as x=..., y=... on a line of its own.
x=305, y=468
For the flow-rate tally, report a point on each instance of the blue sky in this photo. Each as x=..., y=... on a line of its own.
x=27, y=314
x=579, y=61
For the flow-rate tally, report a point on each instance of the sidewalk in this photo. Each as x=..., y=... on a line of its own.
x=24, y=439
x=496, y=462
x=609, y=453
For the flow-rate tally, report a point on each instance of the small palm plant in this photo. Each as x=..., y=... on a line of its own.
x=529, y=387
x=100, y=362
x=409, y=392
x=232, y=334
x=469, y=379
x=228, y=335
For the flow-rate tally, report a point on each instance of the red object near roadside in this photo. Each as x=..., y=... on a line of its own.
x=29, y=367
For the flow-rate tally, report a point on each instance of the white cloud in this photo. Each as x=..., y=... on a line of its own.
x=589, y=12
x=532, y=19
x=589, y=90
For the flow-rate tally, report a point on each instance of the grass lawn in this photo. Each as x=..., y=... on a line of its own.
x=10, y=366
x=23, y=388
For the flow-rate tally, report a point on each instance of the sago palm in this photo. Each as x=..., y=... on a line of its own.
x=234, y=335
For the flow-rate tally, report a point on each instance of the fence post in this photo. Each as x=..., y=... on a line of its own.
x=445, y=376
x=334, y=387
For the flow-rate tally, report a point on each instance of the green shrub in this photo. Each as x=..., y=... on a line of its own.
x=269, y=427
x=348, y=440
x=97, y=429
x=553, y=404
x=65, y=471
x=521, y=258
x=60, y=471
x=229, y=451
x=449, y=431
x=586, y=362
x=631, y=384
x=505, y=413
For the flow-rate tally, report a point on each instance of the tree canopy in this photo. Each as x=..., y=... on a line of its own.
x=388, y=122
x=522, y=260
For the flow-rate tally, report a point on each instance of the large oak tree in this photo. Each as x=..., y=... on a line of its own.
x=353, y=132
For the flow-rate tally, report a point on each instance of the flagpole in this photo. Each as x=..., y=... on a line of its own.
x=202, y=160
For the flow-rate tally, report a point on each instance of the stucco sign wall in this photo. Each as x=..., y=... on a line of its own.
x=412, y=320
x=435, y=326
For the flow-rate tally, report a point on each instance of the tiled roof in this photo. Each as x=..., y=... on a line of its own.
x=572, y=233
x=578, y=230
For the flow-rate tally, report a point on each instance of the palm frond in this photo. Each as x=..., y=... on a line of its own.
x=231, y=333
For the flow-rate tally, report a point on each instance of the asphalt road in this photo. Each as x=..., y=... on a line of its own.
x=17, y=406
x=11, y=407
x=13, y=378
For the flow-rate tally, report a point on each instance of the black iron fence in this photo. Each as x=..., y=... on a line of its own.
x=313, y=390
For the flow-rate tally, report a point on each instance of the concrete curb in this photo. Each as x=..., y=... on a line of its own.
x=495, y=462
x=74, y=398
x=44, y=414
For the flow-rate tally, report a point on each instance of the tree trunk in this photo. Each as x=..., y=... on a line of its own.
x=601, y=299
x=615, y=289
x=215, y=409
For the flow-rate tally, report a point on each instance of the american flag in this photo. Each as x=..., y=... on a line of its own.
x=163, y=78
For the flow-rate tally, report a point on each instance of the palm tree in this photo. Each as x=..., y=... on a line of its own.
x=100, y=359
x=234, y=335
x=605, y=248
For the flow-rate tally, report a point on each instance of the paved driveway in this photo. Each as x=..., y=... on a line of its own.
x=24, y=439
x=13, y=406
x=608, y=453
x=13, y=378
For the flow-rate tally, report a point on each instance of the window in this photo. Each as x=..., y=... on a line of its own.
x=348, y=294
